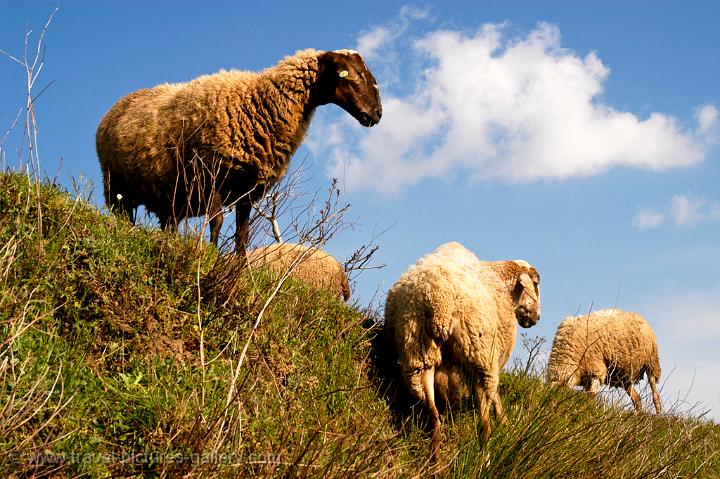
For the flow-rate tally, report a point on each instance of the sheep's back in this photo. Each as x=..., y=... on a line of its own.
x=446, y=301
x=313, y=266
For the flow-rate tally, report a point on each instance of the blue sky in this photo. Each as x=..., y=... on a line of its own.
x=579, y=136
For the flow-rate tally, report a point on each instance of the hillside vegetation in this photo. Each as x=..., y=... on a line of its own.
x=127, y=351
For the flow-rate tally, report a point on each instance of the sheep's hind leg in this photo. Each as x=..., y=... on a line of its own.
x=428, y=377
x=634, y=396
x=242, y=226
x=216, y=218
x=118, y=202
x=655, y=395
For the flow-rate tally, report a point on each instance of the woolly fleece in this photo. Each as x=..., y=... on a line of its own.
x=187, y=149
x=316, y=267
x=452, y=309
x=609, y=346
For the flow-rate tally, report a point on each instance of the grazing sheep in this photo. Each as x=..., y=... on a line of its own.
x=314, y=267
x=451, y=311
x=188, y=149
x=610, y=347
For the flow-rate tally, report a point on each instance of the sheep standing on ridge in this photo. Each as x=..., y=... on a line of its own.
x=188, y=149
x=313, y=266
x=452, y=317
x=610, y=347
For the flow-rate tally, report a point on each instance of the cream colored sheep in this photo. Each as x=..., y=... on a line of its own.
x=610, y=347
x=188, y=149
x=452, y=310
x=315, y=267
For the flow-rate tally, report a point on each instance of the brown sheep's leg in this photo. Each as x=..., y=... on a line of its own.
x=634, y=396
x=242, y=227
x=428, y=377
x=655, y=395
x=216, y=218
x=483, y=404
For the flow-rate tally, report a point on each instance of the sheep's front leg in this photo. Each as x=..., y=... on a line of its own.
x=428, y=378
x=167, y=222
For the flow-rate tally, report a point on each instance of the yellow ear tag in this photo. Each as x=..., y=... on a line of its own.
x=343, y=74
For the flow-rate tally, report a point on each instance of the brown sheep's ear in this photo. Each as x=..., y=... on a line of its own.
x=528, y=285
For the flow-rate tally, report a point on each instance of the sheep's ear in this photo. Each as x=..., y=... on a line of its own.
x=528, y=285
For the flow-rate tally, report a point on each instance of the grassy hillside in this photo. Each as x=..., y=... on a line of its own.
x=130, y=352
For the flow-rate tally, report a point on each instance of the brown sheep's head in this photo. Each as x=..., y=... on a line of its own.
x=526, y=295
x=344, y=79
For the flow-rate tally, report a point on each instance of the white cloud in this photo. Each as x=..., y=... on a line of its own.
x=685, y=212
x=707, y=118
x=688, y=211
x=488, y=106
x=647, y=219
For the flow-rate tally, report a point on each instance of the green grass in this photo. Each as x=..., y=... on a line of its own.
x=120, y=352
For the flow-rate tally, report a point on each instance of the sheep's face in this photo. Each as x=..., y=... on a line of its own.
x=345, y=80
x=527, y=298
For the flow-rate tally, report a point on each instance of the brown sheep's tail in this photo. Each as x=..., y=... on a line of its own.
x=653, y=367
x=345, y=285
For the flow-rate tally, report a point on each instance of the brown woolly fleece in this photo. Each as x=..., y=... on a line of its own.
x=610, y=347
x=449, y=311
x=312, y=266
x=187, y=149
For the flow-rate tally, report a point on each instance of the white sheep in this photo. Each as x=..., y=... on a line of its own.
x=449, y=311
x=188, y=149
x=310, y=265
x=611, y=347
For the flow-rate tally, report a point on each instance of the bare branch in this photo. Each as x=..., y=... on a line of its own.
x=12, y=57
x=41, y=92
x=11, y=127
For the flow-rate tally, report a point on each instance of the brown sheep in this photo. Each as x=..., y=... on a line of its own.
x=314, y=267
x=188, y=149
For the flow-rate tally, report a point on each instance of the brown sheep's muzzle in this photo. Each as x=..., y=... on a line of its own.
x=369, y=119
